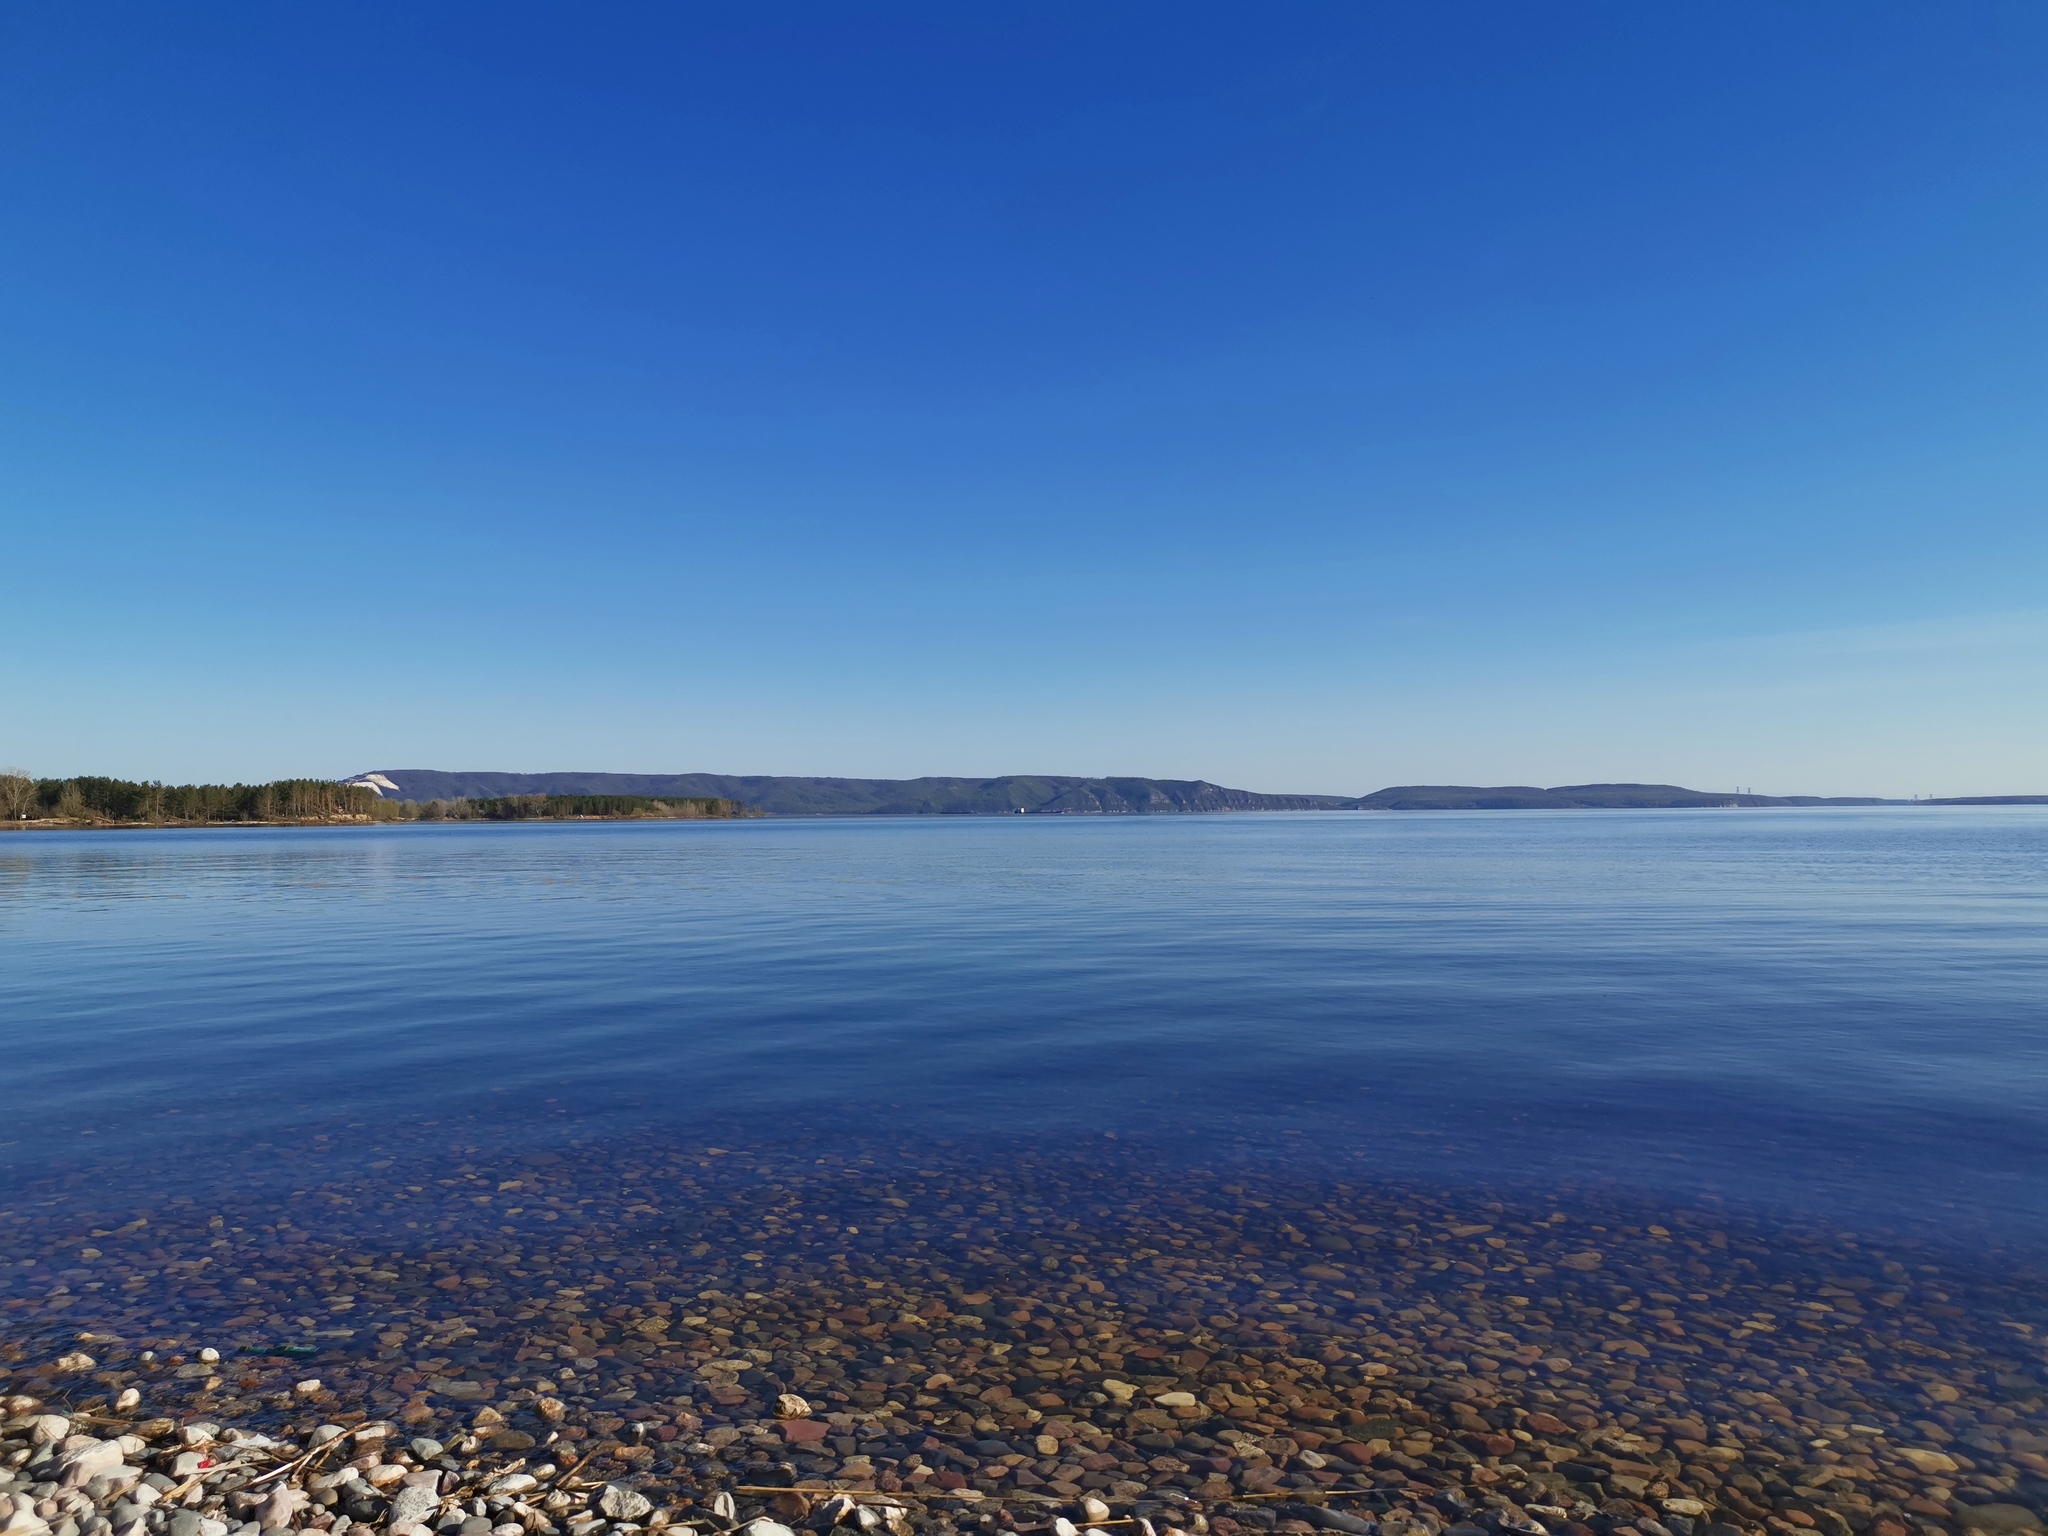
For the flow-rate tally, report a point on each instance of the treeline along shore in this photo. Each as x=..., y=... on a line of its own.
x=92, y=801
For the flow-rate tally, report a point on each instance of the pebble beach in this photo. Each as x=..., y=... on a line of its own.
x=618, y=1338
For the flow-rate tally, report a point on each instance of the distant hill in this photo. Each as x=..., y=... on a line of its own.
x=1052, y=795
x=1991, y=800
x=1522, y=797
x=1011, y=794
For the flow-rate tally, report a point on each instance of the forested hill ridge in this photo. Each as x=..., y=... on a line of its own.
x=770, y=795
x=1053, y=795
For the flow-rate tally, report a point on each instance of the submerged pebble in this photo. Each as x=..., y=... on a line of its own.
x=627, y=1337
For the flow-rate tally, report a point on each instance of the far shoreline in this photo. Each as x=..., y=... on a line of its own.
x=48, y=824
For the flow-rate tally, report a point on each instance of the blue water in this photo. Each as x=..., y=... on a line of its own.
x=1841, y=1012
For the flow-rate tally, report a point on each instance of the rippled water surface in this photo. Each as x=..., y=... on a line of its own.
x=1836, y=1011
x=1204, y=1165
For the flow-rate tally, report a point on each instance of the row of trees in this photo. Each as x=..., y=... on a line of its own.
x=98, y=800
x=90, y=798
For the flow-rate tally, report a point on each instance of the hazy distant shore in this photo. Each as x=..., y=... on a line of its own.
x=405, y=795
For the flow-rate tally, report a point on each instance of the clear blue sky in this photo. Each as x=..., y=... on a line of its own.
x=1306, y=397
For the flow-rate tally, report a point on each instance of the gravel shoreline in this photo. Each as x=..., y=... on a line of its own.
x=609, y=1341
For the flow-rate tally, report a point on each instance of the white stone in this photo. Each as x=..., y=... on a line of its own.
x=618, y=1502
x=413, y=1506
x=80, y=1466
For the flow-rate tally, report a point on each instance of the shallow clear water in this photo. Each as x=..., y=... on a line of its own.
x=1844, y=1012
